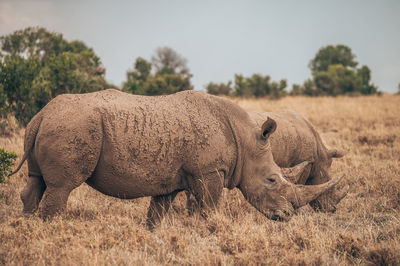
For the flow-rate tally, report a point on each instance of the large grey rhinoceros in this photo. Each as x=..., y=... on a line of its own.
x=130, y=146
x=296, y=141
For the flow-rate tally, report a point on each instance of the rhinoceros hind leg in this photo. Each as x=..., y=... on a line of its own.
x=159, y=206
x=60, y=182
x=54, y=201
x=64, y=167
x=32, y=193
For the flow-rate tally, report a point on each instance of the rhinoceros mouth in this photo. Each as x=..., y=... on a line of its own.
x=281, y=215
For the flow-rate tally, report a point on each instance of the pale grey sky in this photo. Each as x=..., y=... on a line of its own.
x=221, y=38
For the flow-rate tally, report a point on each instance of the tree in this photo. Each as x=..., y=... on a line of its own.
x=296, y=90
x=16, y=77
x=137, y=77
x=278, y=90
x=219, y=88
x=365, y=75
x=170, y=74
x=37, y=65
x=258, y=86
x=338, y=80
x=67, y=73
x=33, y=41
x=332, y=55
x=166, y=84
x=334, y=72
x=309, y=88
x=167, y=61
x=241, y=88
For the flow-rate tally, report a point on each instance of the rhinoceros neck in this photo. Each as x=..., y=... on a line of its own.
x=233, y=178
x=237, y=122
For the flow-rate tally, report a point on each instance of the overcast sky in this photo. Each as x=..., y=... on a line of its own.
x=221, y=38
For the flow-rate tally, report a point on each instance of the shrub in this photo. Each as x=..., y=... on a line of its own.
x=7, y=161
x=219, y=89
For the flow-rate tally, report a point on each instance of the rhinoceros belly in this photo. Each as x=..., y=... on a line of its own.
x=132, y=177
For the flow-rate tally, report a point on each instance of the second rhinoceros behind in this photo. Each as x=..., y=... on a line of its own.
x=130, y=146
x=296, y=141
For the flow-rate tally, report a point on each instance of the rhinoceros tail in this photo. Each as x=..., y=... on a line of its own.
x=30, y=136
x=335, y=153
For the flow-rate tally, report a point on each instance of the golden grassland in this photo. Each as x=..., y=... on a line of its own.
x=365, y=229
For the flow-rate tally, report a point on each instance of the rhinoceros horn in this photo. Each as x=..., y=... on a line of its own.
x=300, y=195
x=295, y=173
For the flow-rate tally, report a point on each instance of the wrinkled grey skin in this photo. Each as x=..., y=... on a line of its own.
x=130, y=146
x=296, y=141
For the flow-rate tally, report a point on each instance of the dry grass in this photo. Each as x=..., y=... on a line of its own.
x=97, y=229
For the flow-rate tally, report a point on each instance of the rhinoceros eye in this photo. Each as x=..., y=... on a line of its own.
x=271, y=180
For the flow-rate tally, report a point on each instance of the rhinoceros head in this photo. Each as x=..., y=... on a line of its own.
x=264, y=185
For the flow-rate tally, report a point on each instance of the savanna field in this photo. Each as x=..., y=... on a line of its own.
x=365, y=230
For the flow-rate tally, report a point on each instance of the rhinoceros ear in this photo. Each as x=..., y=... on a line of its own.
x=336, y=153
x=268, y=128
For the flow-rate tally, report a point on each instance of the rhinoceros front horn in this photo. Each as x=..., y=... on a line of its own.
x=300, y=195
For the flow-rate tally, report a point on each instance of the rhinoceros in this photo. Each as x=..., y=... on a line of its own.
x=296, y=141
x=130, y=146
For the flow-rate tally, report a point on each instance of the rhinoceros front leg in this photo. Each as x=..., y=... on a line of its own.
x=207, y=189
x=191, y=203
x=159, y=206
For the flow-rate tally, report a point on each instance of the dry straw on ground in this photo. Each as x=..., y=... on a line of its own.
x=97, y=229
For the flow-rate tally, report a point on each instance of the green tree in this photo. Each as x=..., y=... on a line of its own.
x=33, y=41
x=36, y=65
x=337, y=80
x=171, y=74
x=137, y=77
x=16, y=77
x=166, y=84
x=167, y=61
x=334, y=72
x=241, y=88
x=219, y=88
x=67, y=73
x=365, y=75
x=309, y=88
x=259, y=86
x=296, y=90
x=332, y=55
x=278, y=90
